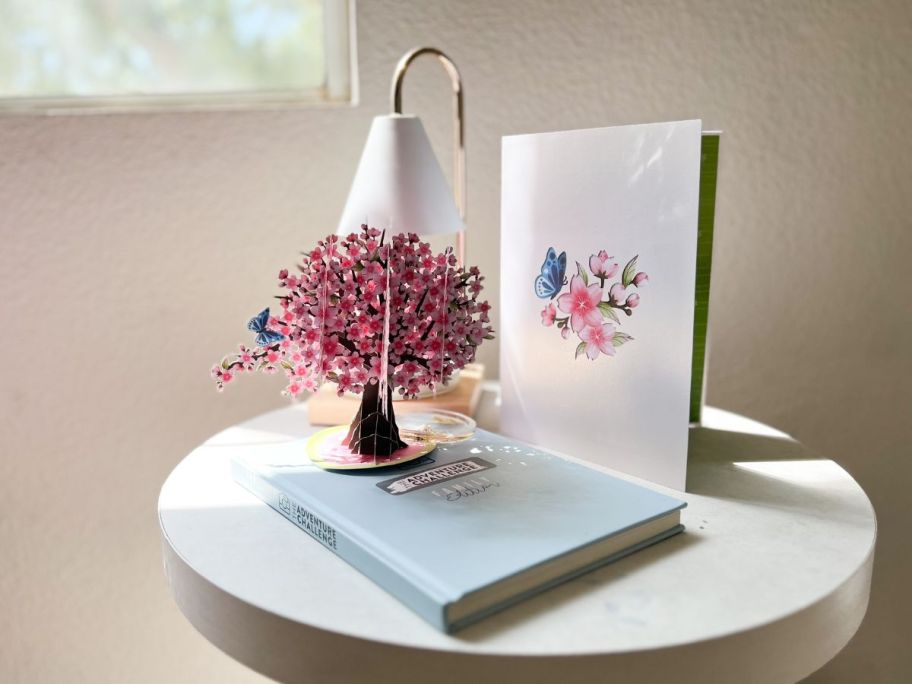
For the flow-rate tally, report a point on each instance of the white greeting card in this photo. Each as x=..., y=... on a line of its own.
x=598, y=253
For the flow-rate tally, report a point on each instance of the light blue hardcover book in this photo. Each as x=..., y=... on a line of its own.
x=531, y=519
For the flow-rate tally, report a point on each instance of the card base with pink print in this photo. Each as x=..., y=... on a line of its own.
x=329, y=450
x=598, y=255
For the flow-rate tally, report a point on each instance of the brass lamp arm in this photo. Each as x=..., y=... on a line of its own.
x=459, y=164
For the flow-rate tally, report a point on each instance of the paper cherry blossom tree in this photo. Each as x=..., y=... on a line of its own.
x=372, y=317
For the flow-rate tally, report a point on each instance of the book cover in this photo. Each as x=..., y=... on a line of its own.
x=467, y=531
x=598, y=261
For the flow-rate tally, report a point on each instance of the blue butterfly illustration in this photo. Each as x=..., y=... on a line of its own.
x=552, y=277
x=264, y=336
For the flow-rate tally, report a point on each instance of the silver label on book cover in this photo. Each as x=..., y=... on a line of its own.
x=434, y=476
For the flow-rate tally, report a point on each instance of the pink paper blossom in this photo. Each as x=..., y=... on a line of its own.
x=639, y=278
x=245, y=358
x=332, y=317
x=598, y=339
x=548, y=315
x=602, y=265
x=581, y=303
x=633, y=300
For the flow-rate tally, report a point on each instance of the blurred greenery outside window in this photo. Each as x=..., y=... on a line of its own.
x=65, y=55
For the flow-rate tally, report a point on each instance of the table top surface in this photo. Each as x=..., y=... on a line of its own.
x=770, y=529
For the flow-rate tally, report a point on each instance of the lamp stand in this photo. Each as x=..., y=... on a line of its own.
x=459, y=165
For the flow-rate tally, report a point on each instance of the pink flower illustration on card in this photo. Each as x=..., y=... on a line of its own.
x=548, y=314
x=597, y=339
x=591, y=303
x=602, y=265
x=581, y=303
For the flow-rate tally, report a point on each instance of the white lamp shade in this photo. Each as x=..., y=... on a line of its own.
x=399, y=184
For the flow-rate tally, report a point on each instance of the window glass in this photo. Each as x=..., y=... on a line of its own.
x=159, y=49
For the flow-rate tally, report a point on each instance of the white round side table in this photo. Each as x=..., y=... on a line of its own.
x=768, y=583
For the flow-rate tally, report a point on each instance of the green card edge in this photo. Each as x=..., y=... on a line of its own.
x=706, y=214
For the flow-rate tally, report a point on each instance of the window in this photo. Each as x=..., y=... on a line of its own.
x=150, y=54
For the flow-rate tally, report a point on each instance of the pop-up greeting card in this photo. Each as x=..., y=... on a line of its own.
x=598, y=254
x=371, y=316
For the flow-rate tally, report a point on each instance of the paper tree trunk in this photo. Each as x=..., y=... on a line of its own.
x=372, y=433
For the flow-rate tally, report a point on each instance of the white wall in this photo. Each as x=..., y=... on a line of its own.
x=134, y=246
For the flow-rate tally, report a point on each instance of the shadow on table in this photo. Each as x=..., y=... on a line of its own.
x=764, y=470
x=706, y=444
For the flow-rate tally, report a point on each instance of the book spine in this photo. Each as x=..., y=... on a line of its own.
x=331, y=535
x=490, y=610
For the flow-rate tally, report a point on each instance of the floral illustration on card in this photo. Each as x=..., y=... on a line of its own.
x=588, y=304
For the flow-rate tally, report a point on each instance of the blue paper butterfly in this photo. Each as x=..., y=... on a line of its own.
x=264, y=336
x=552, y=277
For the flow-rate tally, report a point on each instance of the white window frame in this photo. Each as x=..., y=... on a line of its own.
x=340, y=87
